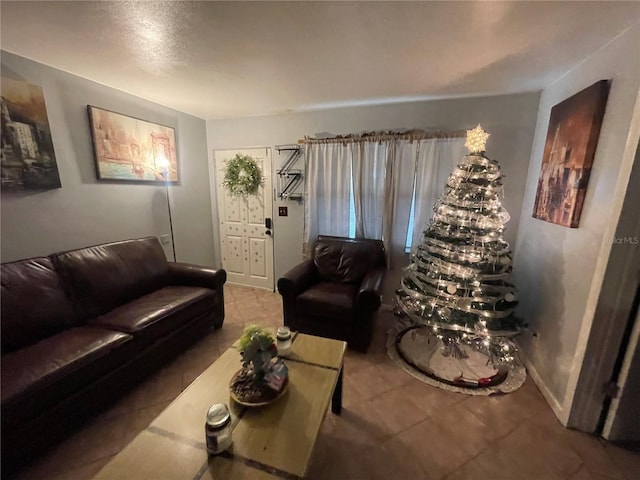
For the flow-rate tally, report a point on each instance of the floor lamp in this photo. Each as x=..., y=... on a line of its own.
x=163, y=164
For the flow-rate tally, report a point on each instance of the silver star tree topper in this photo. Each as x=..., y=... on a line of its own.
x=476, y=139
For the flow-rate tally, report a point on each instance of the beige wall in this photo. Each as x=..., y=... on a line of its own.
x=509, y=118
x=86, y=212
x=559, y=270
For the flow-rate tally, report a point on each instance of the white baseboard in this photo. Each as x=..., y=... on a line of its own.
x=558, y=410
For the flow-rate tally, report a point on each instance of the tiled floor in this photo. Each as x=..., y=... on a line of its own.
x=392, y=426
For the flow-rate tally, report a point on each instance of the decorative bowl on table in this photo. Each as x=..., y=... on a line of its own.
x=262, y=378
x=246, y=392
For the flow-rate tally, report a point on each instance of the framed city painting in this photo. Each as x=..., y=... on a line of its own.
x=130, y=149
x=572, y=137
x=27, y=158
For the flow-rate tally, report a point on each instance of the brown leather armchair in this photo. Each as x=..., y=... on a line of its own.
x=336, y=292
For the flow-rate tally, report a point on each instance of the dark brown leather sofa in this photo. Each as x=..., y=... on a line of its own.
x=80, y=327
x=336, y=292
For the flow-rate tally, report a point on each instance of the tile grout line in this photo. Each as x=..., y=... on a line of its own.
x=226, y=454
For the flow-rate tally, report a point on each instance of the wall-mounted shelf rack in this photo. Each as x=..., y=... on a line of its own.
x=289, y=179
x=287, y=184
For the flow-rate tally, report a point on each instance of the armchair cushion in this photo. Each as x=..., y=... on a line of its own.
x=333, y=300
x=343, y=261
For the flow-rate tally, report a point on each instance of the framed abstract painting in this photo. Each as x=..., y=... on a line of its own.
x=130, y=149
x=27, y=157
x=572, y=137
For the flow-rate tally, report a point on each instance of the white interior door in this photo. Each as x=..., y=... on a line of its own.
x=245, y=241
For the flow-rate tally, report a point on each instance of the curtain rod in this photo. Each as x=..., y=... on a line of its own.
x=410, y=135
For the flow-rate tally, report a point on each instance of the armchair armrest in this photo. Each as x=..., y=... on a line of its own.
x=298, y=279
x=369, y=296
x=196, y=276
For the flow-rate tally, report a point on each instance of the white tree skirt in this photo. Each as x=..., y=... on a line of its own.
x=423, y=356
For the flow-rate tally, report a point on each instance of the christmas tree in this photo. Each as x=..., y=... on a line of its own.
x=458, y=279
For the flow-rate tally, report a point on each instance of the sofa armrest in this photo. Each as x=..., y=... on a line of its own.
x=196, y=276
x=369, y=296
x=298, y=279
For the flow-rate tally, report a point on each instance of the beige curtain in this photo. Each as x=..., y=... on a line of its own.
x=385, y=168
x=327, y=188
x=435, y=160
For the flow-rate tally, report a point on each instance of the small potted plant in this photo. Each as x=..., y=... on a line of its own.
x=261, y=379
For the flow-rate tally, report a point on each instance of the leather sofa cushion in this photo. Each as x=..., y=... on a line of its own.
x=343, y=261
x=106, y=276
x=328, y=299
x=33, y=303
x=41, y=375
x=161, y=312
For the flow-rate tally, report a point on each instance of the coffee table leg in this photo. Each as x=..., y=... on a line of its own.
x=336, y=400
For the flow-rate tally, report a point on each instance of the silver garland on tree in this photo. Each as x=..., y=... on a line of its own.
x=457, y=282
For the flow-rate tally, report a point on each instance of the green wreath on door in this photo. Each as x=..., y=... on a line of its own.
x=243, y=176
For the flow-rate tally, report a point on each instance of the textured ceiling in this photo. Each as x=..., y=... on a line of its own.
x=230, y=59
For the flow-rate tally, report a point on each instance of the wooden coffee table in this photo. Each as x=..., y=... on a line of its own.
x=275, y=441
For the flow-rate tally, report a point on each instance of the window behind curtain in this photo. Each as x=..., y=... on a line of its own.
x=414, y=190
x=352, y=210
x=412, y=217
x=412, y=214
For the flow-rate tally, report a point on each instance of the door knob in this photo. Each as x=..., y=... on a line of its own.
x=268, y=232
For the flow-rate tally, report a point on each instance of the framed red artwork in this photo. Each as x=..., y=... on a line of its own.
x=572, y=137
